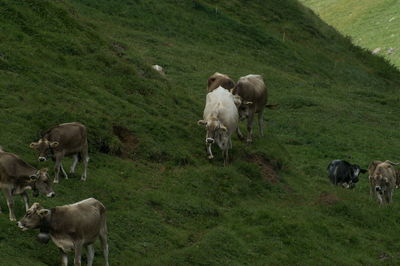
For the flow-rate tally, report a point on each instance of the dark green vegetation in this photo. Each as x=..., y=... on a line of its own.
x=89, y=61
x=371, y=23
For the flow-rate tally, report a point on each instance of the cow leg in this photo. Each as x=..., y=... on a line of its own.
x=261, y=122
x=226, y=157
x=64, y=258
x=78, y=254
x=72, y=170
x=10, y=204
x=63, y=171
x=57, y=168
x=85, y=159
x=250, y=126
x=239, y=133
x=210, y=155
x=103, y=243
x=90, y=255
x=26, y=200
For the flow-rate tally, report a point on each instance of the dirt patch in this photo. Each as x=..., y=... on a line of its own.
x=268, y=168
x=128, y=140
x=327, y=198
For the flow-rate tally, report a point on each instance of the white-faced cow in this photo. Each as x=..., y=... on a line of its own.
x=342, y=173
x=68, y=139
x=71, y=227
x=16, y=177
x=254, y=96
x=220, y=118
x=217, y=79
x=382, y=179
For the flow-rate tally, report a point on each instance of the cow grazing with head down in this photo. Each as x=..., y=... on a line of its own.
x=68, y=139
x=217, y=79
x=342, y=173
x=220, y=119
x=382, y=179
x=71, y=227
x=254, y=96
x=17, y=177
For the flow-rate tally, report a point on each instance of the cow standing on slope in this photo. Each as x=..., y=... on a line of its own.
x=382, y=179
x=220, y=118
x=68, y=139
x=17, y=177
x=71, y=227
x=343, y=173
x=254, y=96
x=217, y=79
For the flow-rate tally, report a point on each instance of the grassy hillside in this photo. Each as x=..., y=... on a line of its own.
x=89, y=61
x=371, y=23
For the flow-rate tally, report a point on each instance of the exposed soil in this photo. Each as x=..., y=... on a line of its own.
x=128, y=140
x=268, y=169
x=327, y=198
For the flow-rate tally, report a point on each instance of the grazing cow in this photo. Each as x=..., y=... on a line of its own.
x=254, y=96
x=71, y=227
x=217, y=80
x=159, y=69
x=16, y=177
x=220, y=118
x=382, y=179
x=68, y=139
x=343, y=173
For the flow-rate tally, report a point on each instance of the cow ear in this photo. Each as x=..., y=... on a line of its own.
x=43, y=212
x=363, y=171
x=223, y=128
x=202, y=122
x=33, y=145
x=35, y=206
x=54, y=144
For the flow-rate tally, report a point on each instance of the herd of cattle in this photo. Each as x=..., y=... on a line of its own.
x=75, y=226
x=383, y=177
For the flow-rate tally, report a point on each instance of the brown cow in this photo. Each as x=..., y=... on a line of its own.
x=382, y=179
x=68, y=139
x=254, y=96
x=16, y=177
x=217, y=80
x=70, y=227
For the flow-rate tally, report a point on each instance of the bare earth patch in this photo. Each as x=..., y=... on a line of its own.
x=267, y=168
x=327, y=198
x=128, y=140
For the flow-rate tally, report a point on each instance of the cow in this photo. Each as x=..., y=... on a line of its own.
x=344, y=174
x=68, y=139
x=382, y=179
x=217, y=79
x=159, y=69
x=220, y=118
x=71, y=227
x=17, y=177
x=254, y=96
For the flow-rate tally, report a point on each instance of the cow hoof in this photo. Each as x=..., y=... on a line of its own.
x=13, y=219
x=83, y=179
x=249, y=141
x=210, y=157
x=55, y=181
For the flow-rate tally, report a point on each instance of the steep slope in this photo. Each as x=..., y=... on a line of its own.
x=371, y=24
x=89, y=61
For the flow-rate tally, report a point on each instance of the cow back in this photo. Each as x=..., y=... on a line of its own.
x=253, y=89
x=71, y=136
x=12, y=167
x=217, y=80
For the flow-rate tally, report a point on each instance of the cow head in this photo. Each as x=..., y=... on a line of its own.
x=33, y=217
x=215, y=130
x=41, y=183
x=244, y=109
x=381, y=184
x=45, y=148
x=355, y=170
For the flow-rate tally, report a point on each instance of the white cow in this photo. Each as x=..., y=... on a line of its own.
x=220, y=118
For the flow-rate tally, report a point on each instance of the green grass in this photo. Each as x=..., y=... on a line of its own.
x=89, y=61
x=371, y=23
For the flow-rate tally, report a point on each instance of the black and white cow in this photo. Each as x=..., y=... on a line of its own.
x=343, y=173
